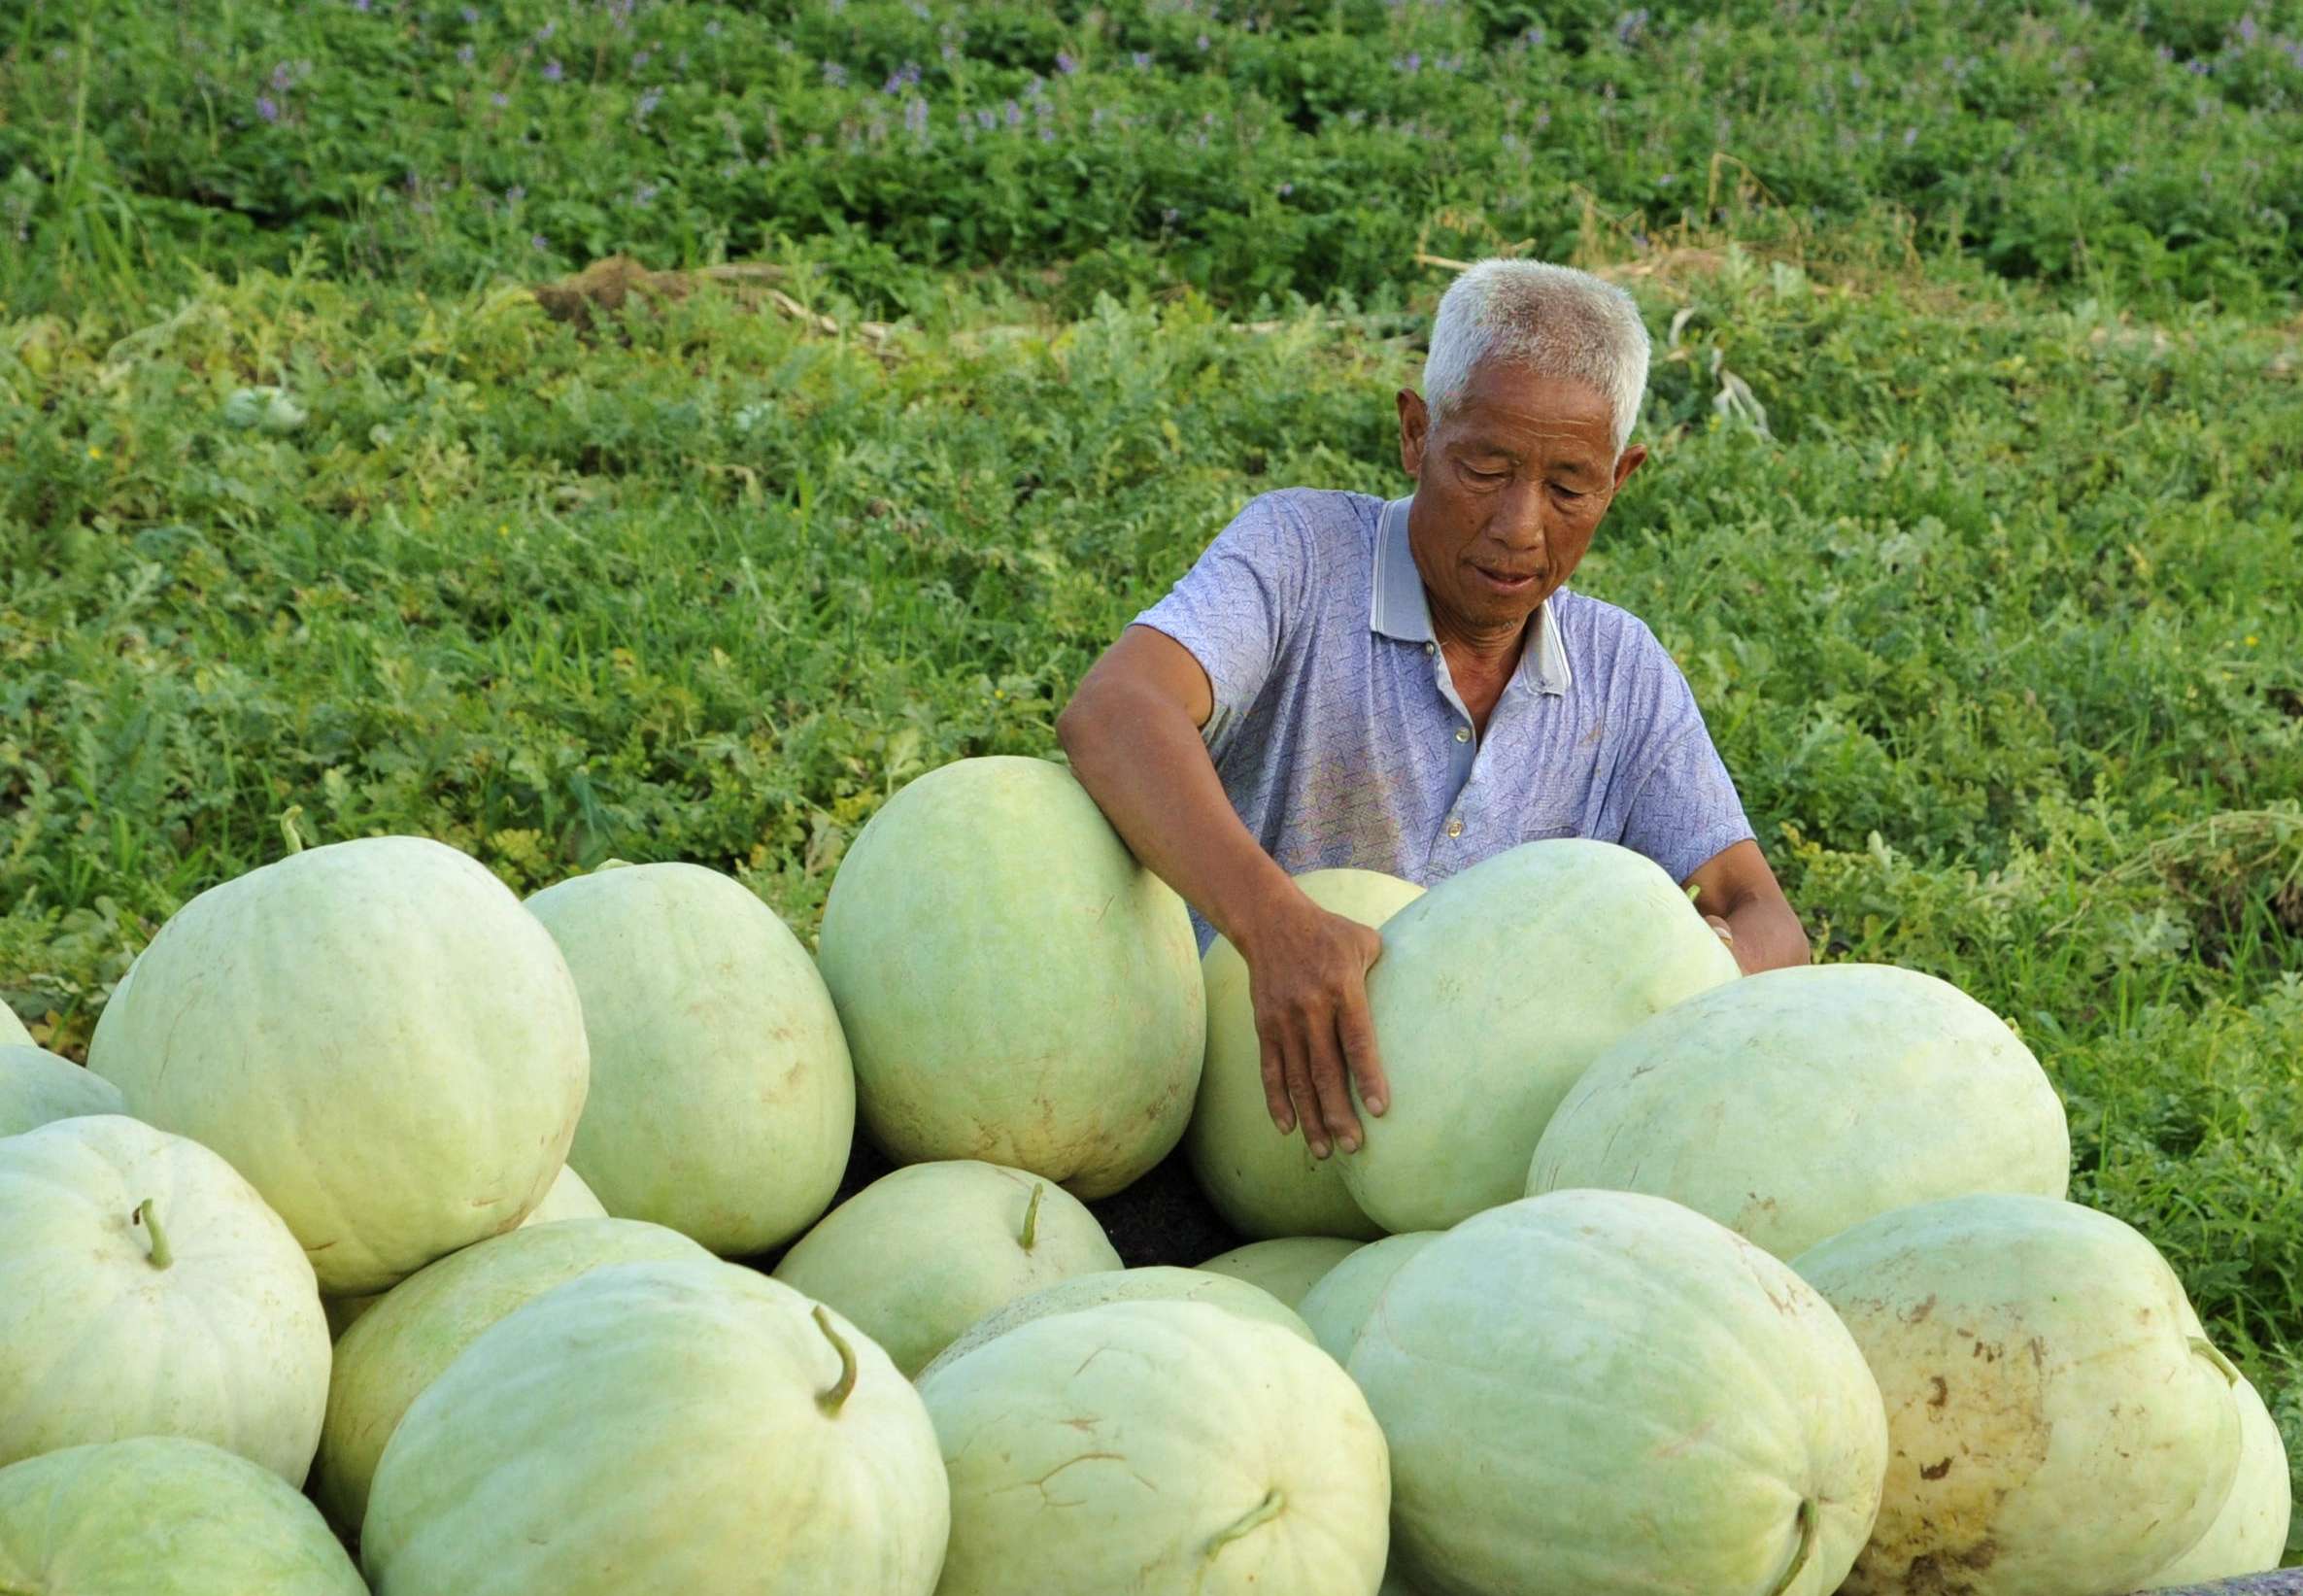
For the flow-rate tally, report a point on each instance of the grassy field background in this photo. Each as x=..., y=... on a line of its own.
x=1973, y=515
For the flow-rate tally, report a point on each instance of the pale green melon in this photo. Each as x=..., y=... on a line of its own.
x=919, y=1254
x=1339, y=1303
x=145, y=1289
x=1266, y=1184
x=375, y=1033
x=162, y=1515
x=663, y=1430
x=408, y=1336
x=1287, y=1267
x=1797, y=1103
x=13, y=1032
x=36, y=1086
x=1495, y=990
x=1620, y=1393
x=2249, y=1532
x=1014, y=986
x=569, y=1199
x=2053, y=1414
x=1158, y=1446
x=1154, y=1283
x=722, y=1101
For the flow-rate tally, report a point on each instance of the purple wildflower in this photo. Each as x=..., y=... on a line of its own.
x=834, y=74
x=267, y=108
x=711, y=29
x=1200, y=42
x=546, y=32
x=361, y=5
x=915, y=118
x=554, y=72
x=986, y=121
x=470, y=15
x=516, y=194
x=645, y=192
x=639, y=59
x=1412, y=62
x=1911, y=136
x=649, y=102
x=537, y=241
x=1630, y=25
x=1142, y=60
x=2248, y=31
x=466, y=55
x=1065, y=63
x=1047, y=135
x=284, y=75
x=1014, y=115
x=1286, y=188
x=499, y=99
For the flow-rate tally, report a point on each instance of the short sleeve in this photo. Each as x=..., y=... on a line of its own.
x=1236, y=607
x=1683, y=810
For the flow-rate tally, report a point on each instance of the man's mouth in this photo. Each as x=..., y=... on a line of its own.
x=1503, y=581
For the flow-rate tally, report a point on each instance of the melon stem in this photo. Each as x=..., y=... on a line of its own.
x=832, y=1401
x=1031, y=1217
x=148, y=1216
x=1262, y=1512
x=2214, y=1355
x=1808, y=1523
x=288, y=828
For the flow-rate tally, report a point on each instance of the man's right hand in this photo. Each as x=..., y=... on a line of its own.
x=1308, y=977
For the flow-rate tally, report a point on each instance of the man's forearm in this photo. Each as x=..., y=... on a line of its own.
x=1768, y=934
x=1143, y=763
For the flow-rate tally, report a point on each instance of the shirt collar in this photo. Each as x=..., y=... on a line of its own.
x=1398, y=609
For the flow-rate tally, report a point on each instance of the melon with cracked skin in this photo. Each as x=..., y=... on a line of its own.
x=1157, y=1282
x=1014, y=986
x=376, y=1034
x=406, y=1338
x=1495, y=990
x=925, y=1251
x=146, y=1289
x=721, y=1100
x=2249, y=1532
x=1158, y=1446
x=1287, y=1267
x=1624, y=1395
x=1339, y=1303
x=663, y=1429
x=1793, y=1104
x=1263, y=1182
x=37, y=1086
x=163, y=1516
x=2058, y=1422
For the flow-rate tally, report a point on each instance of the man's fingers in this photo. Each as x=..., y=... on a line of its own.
x=1328, y=1078
x=1306, y=1101
x=1282, y=1111
x=1356, y=1028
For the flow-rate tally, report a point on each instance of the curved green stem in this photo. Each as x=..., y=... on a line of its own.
x=148, y=1216
x=2214, y=1354
x=1262, y=1512
x=832, y=1401
x=1031, y=1217
x=288, y=828
x=1809, y=1523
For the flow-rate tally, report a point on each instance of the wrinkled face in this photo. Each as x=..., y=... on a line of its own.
x=1508, y=491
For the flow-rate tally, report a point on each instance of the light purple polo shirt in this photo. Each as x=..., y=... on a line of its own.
x=1340, y=739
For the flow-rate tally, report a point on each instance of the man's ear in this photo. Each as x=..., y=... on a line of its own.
x=1626, y=463
x=1416, y=427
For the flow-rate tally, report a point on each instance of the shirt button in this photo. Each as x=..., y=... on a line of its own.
x=1431, y=648
x=1463, y=733
x=1455, y=826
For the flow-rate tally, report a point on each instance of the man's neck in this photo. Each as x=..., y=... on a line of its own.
x=1487, y=648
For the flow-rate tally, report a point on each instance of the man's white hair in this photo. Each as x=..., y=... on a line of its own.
x=1554, y=320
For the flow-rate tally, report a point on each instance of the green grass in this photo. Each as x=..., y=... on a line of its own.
x=1998, y=621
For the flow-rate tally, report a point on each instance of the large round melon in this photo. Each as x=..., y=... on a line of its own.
x=663, y=1430
x=13, y=1031
x=36, y=1086
x=1616, y=1392
x=1495, y=990
x=2053, y=1417
x=1156, y=1282
x=2249, y=1532
x=922, y=1253
x=408, y=1336
x=1799, y=1101
x=1158, y=1446
x=1014, y=986
x=1287, y=1267
x=162, y=1515
x=1339, y=1303
x=145, y=1289
x=1266, y=1184
x=375, y=1033
x=722, y=1101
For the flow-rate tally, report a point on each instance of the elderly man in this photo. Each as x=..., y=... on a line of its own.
x=1410, y=686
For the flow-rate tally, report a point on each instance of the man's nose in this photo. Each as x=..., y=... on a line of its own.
x=1522, y=523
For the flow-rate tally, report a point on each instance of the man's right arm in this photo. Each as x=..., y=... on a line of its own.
x=1132, y=733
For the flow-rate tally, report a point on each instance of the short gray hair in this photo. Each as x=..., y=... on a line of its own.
x=1554, y=320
